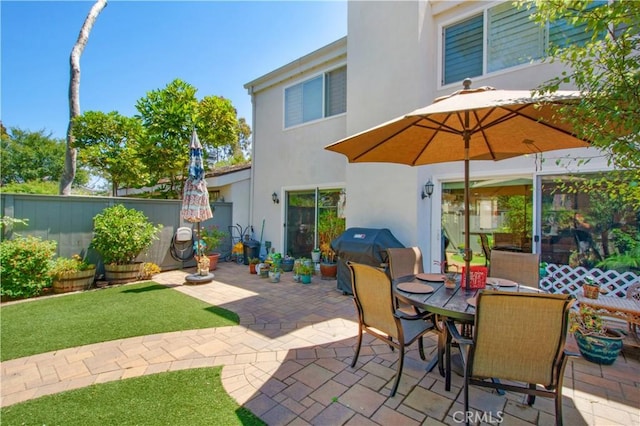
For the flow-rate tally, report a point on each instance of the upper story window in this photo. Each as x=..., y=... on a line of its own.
x=501, y=37
x=321, y=96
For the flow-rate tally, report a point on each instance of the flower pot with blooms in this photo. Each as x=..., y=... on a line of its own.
x=149, y=269
x=596, y=343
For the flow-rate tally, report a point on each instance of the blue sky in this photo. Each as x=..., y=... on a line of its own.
x=136, y=47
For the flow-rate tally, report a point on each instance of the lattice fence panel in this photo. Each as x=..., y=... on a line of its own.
x=565, y=279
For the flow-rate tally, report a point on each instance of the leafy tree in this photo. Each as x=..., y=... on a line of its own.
x=33, y=157
x=74, y=94
x=110, y=143
x=606, y=70
x=217, y=124
x=169, y=116
x=244, y=133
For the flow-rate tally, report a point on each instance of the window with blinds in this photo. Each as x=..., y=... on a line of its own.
x=463, y=49
x=318, y=97
x=562, y=33
x=510, y=39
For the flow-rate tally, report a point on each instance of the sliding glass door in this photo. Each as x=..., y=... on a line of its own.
x=304, y=209
x=500, y=217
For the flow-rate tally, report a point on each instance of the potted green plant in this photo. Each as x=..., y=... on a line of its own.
x=590, y=287
x=328, y=265
x=263, y=269
x=274, y=274
x=315, y=255
x=543, y=269
x=596, y=342
x=305, y=271
x=330, y=227
x=71, y=274
x=212, y=237
x=253, y=261
x=120, y=235
x=287, y=263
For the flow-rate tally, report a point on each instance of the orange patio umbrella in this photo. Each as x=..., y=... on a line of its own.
x=470, y=124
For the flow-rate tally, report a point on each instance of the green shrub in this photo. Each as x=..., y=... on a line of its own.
x=24, y=266
x=121, y=234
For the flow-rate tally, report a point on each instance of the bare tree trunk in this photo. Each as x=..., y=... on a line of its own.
x=74, y=95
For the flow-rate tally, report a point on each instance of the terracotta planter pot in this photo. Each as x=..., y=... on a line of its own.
x=213, y=261
x=591, y=291
x=328, y=271
x=252, y=268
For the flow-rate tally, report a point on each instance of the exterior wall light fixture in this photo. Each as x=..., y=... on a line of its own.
x=275, y=199
x=428, y=190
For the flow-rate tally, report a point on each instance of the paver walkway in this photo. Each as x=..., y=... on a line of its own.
x=288, y=362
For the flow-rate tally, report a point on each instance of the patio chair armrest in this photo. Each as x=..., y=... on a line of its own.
x=420, y=316
x=455, y=334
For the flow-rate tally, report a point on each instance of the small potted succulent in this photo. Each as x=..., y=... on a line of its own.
x=590, y=287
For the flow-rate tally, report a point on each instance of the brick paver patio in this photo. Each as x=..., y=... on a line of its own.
x=288, y=361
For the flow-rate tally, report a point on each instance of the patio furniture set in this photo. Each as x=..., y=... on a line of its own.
x=509, y=335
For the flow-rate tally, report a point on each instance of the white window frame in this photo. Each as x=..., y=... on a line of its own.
x=324, y=99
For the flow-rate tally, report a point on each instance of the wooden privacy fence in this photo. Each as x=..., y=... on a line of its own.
x=69, y=221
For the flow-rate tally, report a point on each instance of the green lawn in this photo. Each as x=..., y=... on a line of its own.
x=79, y=319
x=186, y=397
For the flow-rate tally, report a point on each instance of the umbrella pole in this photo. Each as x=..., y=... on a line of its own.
x=467, y=238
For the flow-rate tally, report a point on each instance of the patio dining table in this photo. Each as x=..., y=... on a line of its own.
x=457, y=304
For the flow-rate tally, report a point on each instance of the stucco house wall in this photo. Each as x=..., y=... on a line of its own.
x=292, y=158
x=393, y=55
